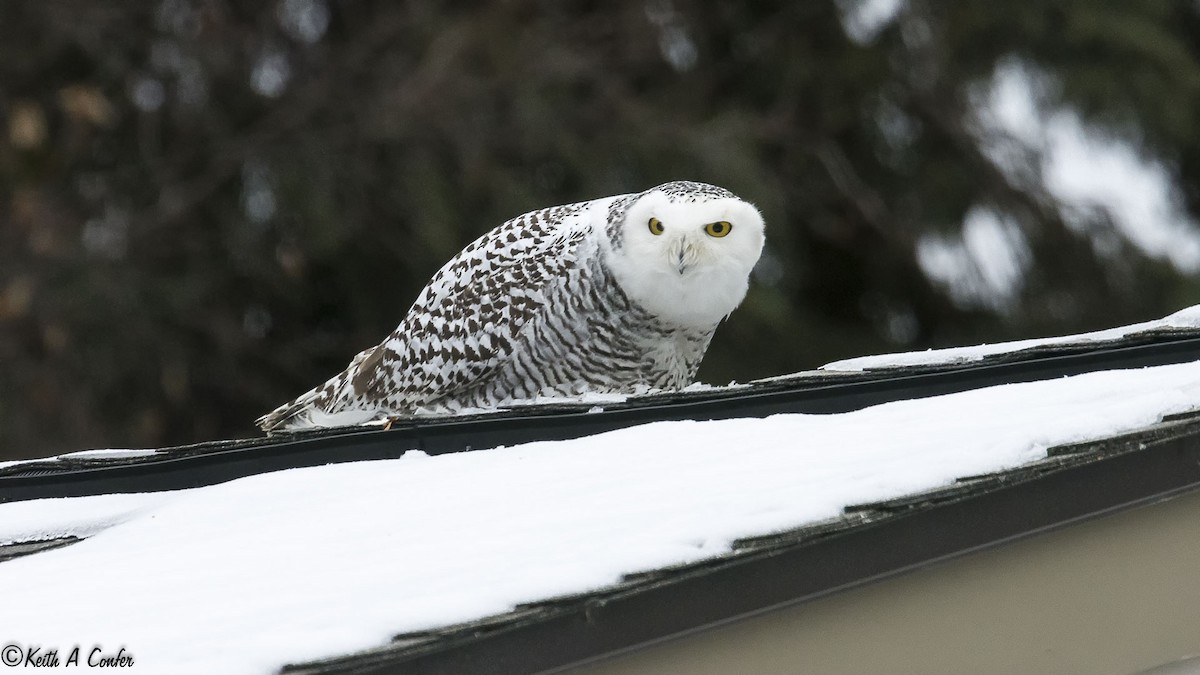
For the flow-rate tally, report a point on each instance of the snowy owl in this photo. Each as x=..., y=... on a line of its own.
x=613, y=295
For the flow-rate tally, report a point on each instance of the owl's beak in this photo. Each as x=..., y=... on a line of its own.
x=682, y=256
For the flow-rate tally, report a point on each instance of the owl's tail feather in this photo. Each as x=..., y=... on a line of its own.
x=309, y=412
x=292, y=415
x=323, y=406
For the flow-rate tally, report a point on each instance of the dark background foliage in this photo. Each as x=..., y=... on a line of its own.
x=207, y=207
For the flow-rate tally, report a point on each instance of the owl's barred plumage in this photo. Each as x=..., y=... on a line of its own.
x=560, y=301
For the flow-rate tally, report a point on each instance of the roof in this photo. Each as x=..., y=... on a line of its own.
x=841, y=387
x=870, y=542
x=552, y=552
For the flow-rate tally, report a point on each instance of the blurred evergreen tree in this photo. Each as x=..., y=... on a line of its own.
x=207, y=207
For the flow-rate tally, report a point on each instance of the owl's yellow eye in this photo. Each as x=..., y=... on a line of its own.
x=656, y=226
x=719, y=228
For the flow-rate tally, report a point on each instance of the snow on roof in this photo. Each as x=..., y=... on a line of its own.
x=296, y=565
x=1182, y=320
x=104, y=454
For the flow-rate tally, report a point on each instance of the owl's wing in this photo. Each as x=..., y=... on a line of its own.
x=462, y=325
x=466, y=320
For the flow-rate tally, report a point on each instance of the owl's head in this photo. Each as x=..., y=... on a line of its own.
x=684, y=251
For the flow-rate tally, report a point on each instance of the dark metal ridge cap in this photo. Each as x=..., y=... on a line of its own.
x=196, y=466
x=1118, y=474
x=17, y=549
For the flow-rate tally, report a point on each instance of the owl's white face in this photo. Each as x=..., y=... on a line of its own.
x=688, y=262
